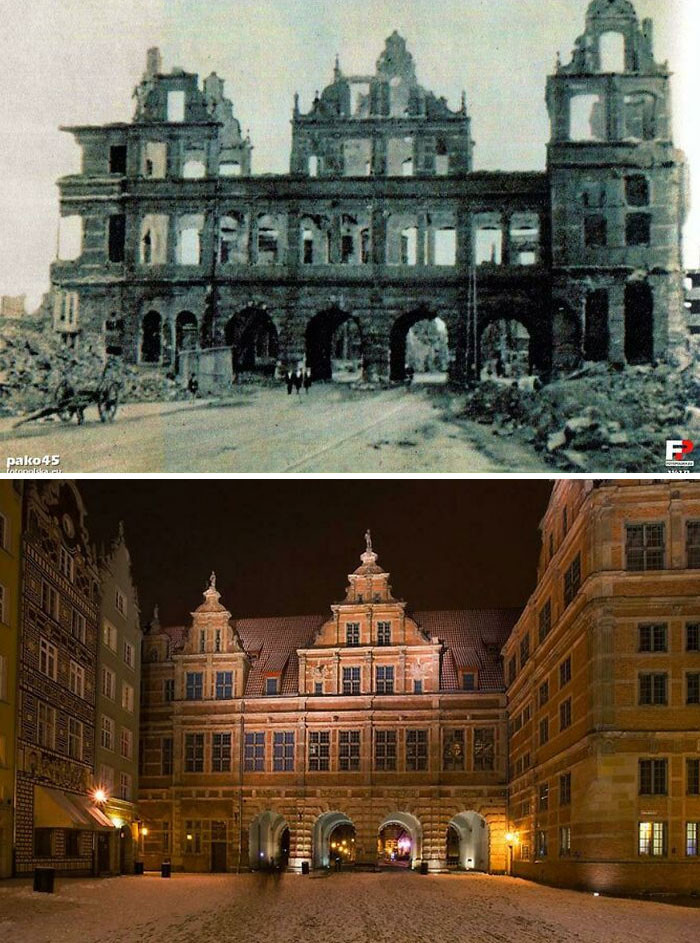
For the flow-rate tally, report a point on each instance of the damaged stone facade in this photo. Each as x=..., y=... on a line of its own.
x=382, y=222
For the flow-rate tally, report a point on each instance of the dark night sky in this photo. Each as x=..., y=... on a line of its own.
x=285, y=548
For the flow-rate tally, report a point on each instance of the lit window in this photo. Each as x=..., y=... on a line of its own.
x=109, y=636
x=692, y=829
x=652, y=838
x=565, y=841
x=541, y=844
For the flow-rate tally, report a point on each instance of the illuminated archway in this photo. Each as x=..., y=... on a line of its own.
x=400, y=841
x=268, y=842
x=472, y=842
x=329, y=828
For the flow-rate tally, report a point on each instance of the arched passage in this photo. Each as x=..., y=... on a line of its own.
x=185, y=333
x=468, y=836
x=254, y=342
x=268, y=841
x=334, y=344
x=400, y=840
x=327, y=826
x=505, y=350
x=151, y=337
x=419, y=342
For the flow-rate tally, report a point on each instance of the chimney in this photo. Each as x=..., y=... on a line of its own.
x=154, y=62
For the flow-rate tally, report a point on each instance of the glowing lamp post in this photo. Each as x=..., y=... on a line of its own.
x=511, y=841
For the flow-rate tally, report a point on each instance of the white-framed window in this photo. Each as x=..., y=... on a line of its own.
x=46, y=726
x=109, y=635
x=48, y=659
x=129, y=654
x=77, y=679
x=120, y=602
x=66, y=564
x=78, y=626
x=49, y=599
x=109, y=683
x=3, y=596
x=75, y=738
x=107, y=733
x=4, y=533
x=3, y=678
x=127, y=697
x=106, y=777
x=126, y=743
x=124, y=786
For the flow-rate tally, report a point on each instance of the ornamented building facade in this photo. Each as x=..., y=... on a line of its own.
x=603, y=675
x=375, y=735
x=57, y=824
x=383, y=223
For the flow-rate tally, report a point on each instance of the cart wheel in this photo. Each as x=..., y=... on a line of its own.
x=63, y=396
x=108, y=402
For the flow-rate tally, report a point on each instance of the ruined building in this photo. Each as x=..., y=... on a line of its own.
x=382, y=223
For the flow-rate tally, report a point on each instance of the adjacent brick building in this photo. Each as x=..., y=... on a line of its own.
x=375, y=735
x=382, y=223
x=603, y=675
x=10, y=537
x=56, y=819
x=117, y=707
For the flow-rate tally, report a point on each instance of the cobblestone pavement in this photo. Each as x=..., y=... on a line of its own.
x=345, y=908
x=333, y=430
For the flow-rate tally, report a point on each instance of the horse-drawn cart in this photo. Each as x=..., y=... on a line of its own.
x=70, y=401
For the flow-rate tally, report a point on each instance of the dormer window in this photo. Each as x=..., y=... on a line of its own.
x=384, y=633
x=352, y=634
x=272, y=685
x=469, y=681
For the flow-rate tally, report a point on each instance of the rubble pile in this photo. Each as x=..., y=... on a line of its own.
x=34, y=360
x=599, y=418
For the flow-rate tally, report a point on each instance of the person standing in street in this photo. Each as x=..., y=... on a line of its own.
x=307, y=380
x=298, y=380
x=290, y=382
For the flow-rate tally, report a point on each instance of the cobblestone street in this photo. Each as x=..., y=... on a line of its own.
x=346, y=908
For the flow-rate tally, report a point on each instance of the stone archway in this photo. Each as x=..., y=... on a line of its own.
x=268, y=842
x=254, y=342
x=185, y=334
x=410, y=347
x=325, y=826
x=400, y=834
x=322, y=339
x=505, y=349
x=472, y=842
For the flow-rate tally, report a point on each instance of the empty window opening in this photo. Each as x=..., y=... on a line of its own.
x=524, y=240
x=595, y=230
x=640, y=116
x=194, y=168
x=445, y=246
x=65, y=311
x=308, y=247
x=230, y=169
x=596, y=341
x=189, y=239
x=612, y=52
x=504, y=351
x=154, y=159
x=151, y=338
x=365, y=258
x=639, y=324
x=409, y=246
x=638, y=229
x=347, y=249
x=637, y=190
x=114, y=335
x=116, y=237
x=399, y=157
x=117, y=159
x=176, y=106
x=489, y=245
x=268, y=246
x=442, y=159
x=70, y=238
x=359, y=100
x=357, y=157
x=527, y=258
x=407, y=168
x=313, y=166
x=587, y=118
x=231, y=248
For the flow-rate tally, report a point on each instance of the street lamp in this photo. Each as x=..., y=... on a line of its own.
x=511, y=841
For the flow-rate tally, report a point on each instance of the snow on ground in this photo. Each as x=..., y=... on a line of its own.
x=338, y=908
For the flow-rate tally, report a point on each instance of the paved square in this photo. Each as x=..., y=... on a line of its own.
x=345, y=908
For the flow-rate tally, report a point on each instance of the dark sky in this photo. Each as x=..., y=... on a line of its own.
x=285, y=548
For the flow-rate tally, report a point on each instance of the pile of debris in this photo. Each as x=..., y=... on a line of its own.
x=597, y=419
x=34, y=360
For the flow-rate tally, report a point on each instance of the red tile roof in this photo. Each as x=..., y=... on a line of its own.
x=473, y=638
